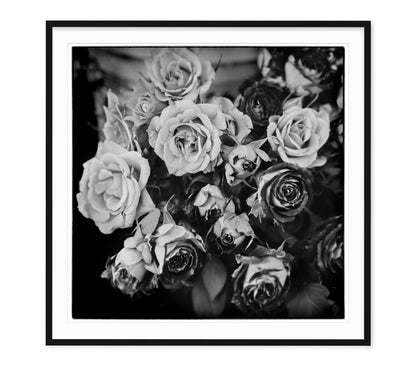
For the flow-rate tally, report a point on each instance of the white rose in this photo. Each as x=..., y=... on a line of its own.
x=113, y=187
x=298, y=134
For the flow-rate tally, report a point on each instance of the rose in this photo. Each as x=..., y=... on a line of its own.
x=312, y=70
x=271, y=63
x=265, y=62
x=133, y=268
x=312, y=63
x=178, y=73
x=242, y=161
x=179, y=253
x=298, y=134
x=212, y=204
x=284, y=191
x=125, y=271
x=328, y=245
x=144, y=103
x=304, y=71
x=112, y=187
x=117, y=127
x=186, y=137
x=261, y=282
x=231, y=231
x=239, y=125
x=260, y=101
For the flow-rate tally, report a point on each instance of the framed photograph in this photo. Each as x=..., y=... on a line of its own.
x=208, y=183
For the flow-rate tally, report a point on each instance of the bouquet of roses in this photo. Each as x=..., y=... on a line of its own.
x=235, y=203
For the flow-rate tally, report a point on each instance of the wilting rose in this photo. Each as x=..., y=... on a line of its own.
x=305, y=70
x=260, y=101
x=186, y=137
x=212, y=204
x=328, y=246
x=298, y=134
x=179, y=252
x=284, y=191
x=239, y=125
x=232, y=231
x=113, y=187
x=261, y=283
x=133, y=268
x=242, y=161
x=178, y=73
x=143, y=102
x=117, y=127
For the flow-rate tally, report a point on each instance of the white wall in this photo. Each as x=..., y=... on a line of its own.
x=22, y=240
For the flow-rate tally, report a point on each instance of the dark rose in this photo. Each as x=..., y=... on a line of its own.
x=284, y=191
x=260, y=101
x=132, y=270
x=313, y=70
x=328, y=247
x=304, y=71
x=179, y=252
x=120, y=278
x=261, y=282
x=313, y=63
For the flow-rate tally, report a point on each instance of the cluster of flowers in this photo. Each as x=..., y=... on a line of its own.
x=228, y=198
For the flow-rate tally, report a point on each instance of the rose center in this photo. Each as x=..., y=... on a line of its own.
x=265, y=292
x=213, y=214
x=227, y=239
x=180, y=261
x=124, y=275
x=258, y=109
x=289, y=192
x=314, y=61
x=174, y=78
x=185, y=140
x=248, y=165
x=144, y=104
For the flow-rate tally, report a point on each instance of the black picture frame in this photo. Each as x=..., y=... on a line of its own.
x=366, y=26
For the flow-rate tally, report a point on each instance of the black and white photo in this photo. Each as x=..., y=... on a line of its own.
x=212, y=183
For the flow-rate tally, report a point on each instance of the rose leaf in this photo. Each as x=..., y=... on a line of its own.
x=149, y=223
x=310, y=302
x=214, y=276
x=202, y=304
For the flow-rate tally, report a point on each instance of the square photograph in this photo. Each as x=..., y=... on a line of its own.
x=208, y=182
